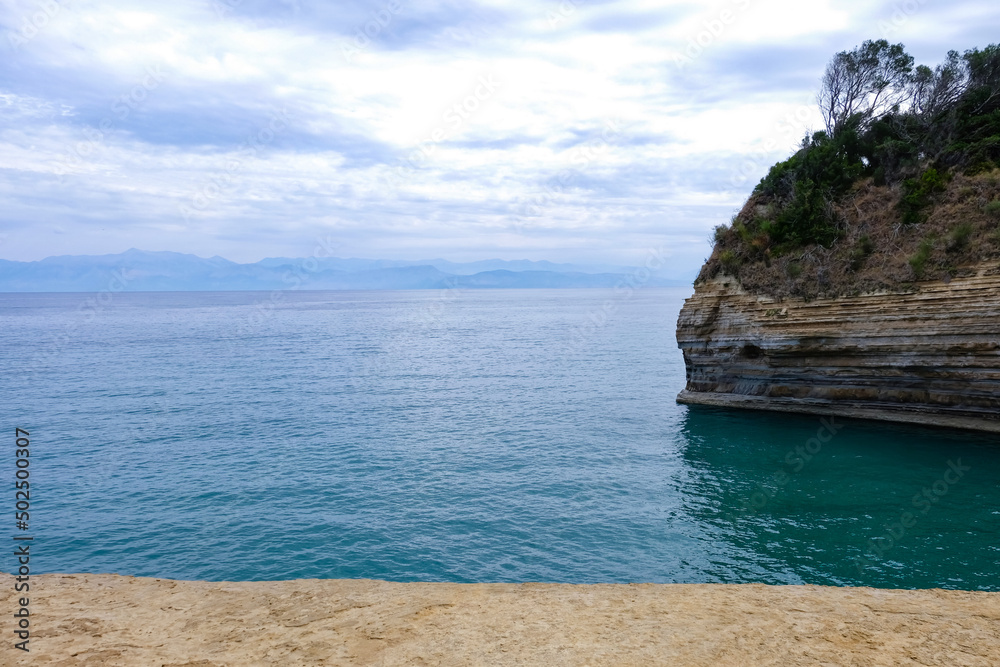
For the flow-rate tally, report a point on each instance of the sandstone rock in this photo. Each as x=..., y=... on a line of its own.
x=112, y=621
x=929, y=356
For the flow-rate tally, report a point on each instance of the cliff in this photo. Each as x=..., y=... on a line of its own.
x=928, y=355
x=862, y=276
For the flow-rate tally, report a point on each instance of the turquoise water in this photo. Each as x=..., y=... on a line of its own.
x=455, y=436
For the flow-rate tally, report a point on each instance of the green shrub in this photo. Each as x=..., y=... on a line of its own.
x=993, y=208
x=744, y=233
x=981, y=156
x=861, y=252
x=866, y=245
x=794, y=270
x=959, y=237
x=889, y=154
x=730, y=262
x=720, y=233
x=917, y=193
x=803, y=188
x=918, y=262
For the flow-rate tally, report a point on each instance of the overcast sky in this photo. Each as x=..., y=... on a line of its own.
x=573, y=131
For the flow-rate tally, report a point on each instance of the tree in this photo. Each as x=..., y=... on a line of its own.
x=933, y=91
x=863, y=84
x=984, y=75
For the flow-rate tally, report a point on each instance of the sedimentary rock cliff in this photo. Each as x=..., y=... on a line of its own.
x=929, y=356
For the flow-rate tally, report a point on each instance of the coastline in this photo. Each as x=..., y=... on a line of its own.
x=104, y=619
x=927, y=356
x=821, y=407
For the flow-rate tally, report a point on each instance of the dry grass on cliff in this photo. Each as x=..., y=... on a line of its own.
x=876, y=250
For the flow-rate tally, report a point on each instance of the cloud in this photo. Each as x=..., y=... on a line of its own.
x=432, y=128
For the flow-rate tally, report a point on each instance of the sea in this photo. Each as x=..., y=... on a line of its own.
x=453, y=435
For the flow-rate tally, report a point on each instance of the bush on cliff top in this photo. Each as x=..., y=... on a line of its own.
x=915, y=135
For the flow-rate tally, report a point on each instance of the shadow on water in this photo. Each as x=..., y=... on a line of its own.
x=845, y=502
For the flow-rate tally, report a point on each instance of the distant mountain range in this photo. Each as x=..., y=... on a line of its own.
x=137, y=271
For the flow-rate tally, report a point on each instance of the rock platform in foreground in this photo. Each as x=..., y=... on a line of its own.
x=113, y=620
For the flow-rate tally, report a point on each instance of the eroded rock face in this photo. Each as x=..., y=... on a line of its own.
x=930, y=356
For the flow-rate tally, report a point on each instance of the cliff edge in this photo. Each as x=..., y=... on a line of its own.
x=930, y=356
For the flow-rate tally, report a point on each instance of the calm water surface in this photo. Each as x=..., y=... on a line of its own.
x=457, y=436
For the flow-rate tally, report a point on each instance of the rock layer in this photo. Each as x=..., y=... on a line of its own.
x=929, y=356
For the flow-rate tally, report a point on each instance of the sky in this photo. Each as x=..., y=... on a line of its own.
x=573, y=130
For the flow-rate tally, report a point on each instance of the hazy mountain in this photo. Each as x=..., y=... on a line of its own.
x=454, y=268
x=137, y=270
x=524, y=279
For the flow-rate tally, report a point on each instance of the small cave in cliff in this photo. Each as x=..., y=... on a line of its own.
x=751, y=351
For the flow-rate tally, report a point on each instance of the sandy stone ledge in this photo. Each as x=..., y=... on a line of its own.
x=96, y=619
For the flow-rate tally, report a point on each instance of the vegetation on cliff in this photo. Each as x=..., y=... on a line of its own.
x=902, y=185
